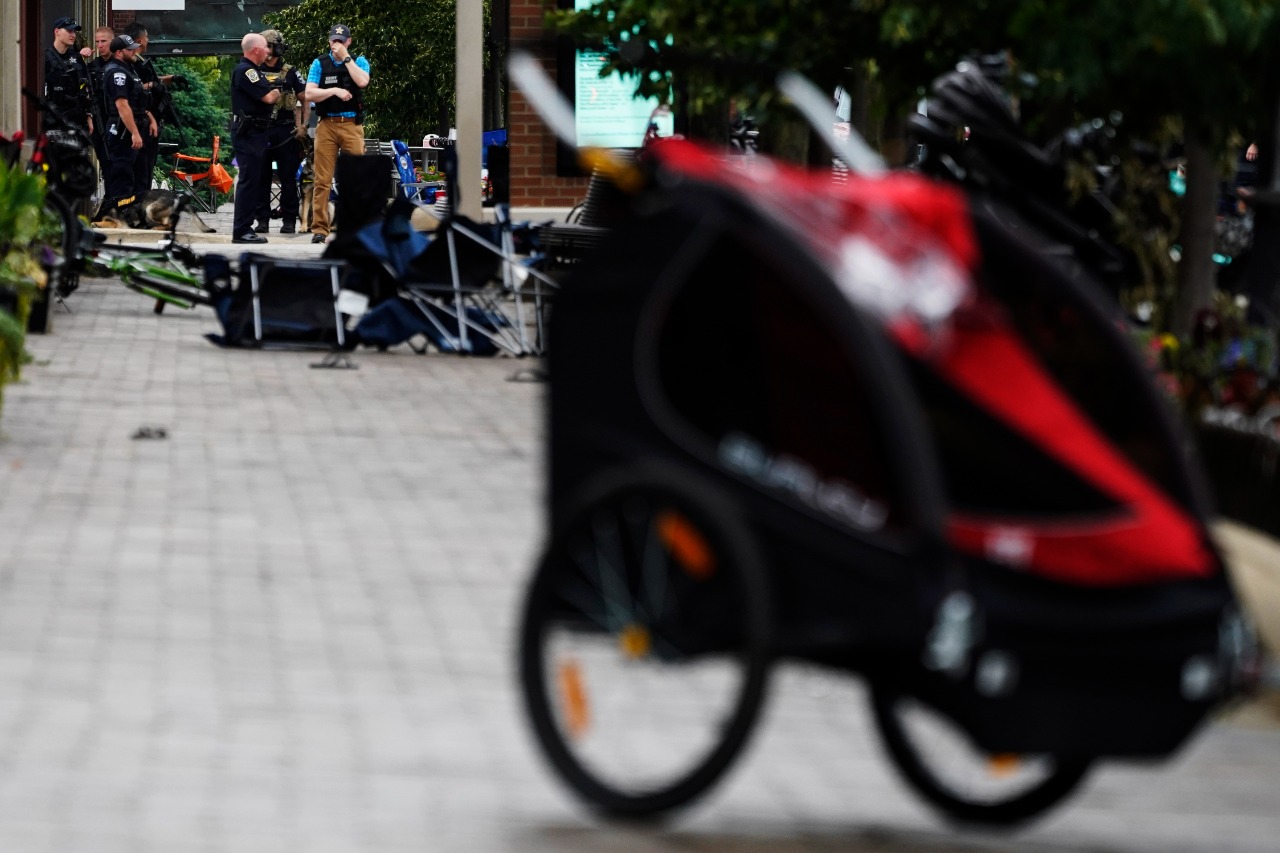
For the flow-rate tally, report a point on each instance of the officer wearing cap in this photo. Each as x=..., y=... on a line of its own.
x=125, y=111
x=284, y=134
x=335, y=87
x=66, y=77
x=253, y=100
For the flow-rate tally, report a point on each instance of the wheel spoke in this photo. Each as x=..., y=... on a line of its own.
x=634, y=693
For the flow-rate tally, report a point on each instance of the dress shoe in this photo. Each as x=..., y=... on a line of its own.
x=262, y=227
x=286, y=228
x=318, y=238
x=249, y=238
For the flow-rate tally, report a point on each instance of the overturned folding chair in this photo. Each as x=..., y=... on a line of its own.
x=472, y=289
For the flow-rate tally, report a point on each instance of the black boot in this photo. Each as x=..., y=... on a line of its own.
x=287, y=227
x=262, y=227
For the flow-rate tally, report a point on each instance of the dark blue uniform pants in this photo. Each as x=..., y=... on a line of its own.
x=121, y=163
x=147, y=160
x=251, y=159
x=284, y=149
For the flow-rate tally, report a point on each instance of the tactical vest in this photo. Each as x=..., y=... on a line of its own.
x=137, y=96
x=66, y=84
x=288, y=98
x=334, y=75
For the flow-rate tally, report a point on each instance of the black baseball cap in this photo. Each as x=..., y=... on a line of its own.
x=65, y=23
x=124, y=42
x=340, y=31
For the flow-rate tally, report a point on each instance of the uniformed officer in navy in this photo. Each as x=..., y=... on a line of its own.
x=125, y=111
x=253, y=100
x=102, y=37
x=288, y=127
x=66, y=77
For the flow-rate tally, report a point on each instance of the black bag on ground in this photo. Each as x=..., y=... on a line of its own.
x=293, y=304
x=364, y=186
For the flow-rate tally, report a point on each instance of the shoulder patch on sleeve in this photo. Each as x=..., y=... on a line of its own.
x=118, y=78
x=251, y=75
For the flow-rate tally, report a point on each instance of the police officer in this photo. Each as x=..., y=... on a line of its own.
x=288, y=127
x=102, y=37
x=66, y=77
x=125, y=111
x=335, y=87
x=253, y=100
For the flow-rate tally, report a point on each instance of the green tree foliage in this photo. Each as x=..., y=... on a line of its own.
x=1195, y=64
x=1154, y=59
x=411, y=50
x=715, y=51
x=710, y=52
x=205, y=104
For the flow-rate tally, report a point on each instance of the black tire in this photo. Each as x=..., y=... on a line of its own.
x=651, y=582
x=66, y=273
x=945, y=769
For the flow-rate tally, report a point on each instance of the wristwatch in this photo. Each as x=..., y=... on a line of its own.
x=345, y=61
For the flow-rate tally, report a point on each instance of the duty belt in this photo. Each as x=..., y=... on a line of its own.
x=250, y=122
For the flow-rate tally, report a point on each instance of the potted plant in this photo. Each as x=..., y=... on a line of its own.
x=23, y=275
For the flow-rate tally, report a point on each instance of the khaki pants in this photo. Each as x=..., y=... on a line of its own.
x=332, y=135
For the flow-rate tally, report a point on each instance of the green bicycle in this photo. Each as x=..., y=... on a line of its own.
x=169, y=273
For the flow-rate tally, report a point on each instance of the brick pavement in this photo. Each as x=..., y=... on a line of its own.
x=288, y=626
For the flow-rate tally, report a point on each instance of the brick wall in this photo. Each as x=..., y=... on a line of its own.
x=533, y=148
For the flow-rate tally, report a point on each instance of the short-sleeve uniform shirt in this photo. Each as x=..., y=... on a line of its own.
x=119, y=80
x=248, y=87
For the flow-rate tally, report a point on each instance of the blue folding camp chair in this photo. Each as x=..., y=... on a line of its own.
x=409, y=185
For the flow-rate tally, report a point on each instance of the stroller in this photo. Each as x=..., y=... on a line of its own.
x=864, y=426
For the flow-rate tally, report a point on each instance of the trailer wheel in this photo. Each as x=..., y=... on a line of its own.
x=940, y=763
x=645, y=644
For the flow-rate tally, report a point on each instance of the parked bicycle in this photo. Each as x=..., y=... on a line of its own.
x=63, y=153
x=169, y=272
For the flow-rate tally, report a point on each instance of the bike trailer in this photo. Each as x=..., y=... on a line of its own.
x=929, y=456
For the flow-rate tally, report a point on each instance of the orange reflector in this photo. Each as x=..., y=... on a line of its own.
x=635, y=641
x=1005, y=764
x=573, y=699
x=686, y=544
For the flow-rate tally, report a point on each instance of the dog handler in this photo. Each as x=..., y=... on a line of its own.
x=125, y=107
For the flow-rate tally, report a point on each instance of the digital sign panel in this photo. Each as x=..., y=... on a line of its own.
x=607, y=111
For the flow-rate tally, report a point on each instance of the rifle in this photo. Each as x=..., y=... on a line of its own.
x=96, y=106
x=162, y=100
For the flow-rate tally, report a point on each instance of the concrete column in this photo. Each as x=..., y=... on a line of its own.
x=11, y=67
x=470, y=102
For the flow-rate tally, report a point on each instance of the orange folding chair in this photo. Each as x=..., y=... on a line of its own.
x=200, y=178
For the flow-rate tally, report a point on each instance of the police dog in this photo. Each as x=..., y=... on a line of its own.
x=155, y=210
